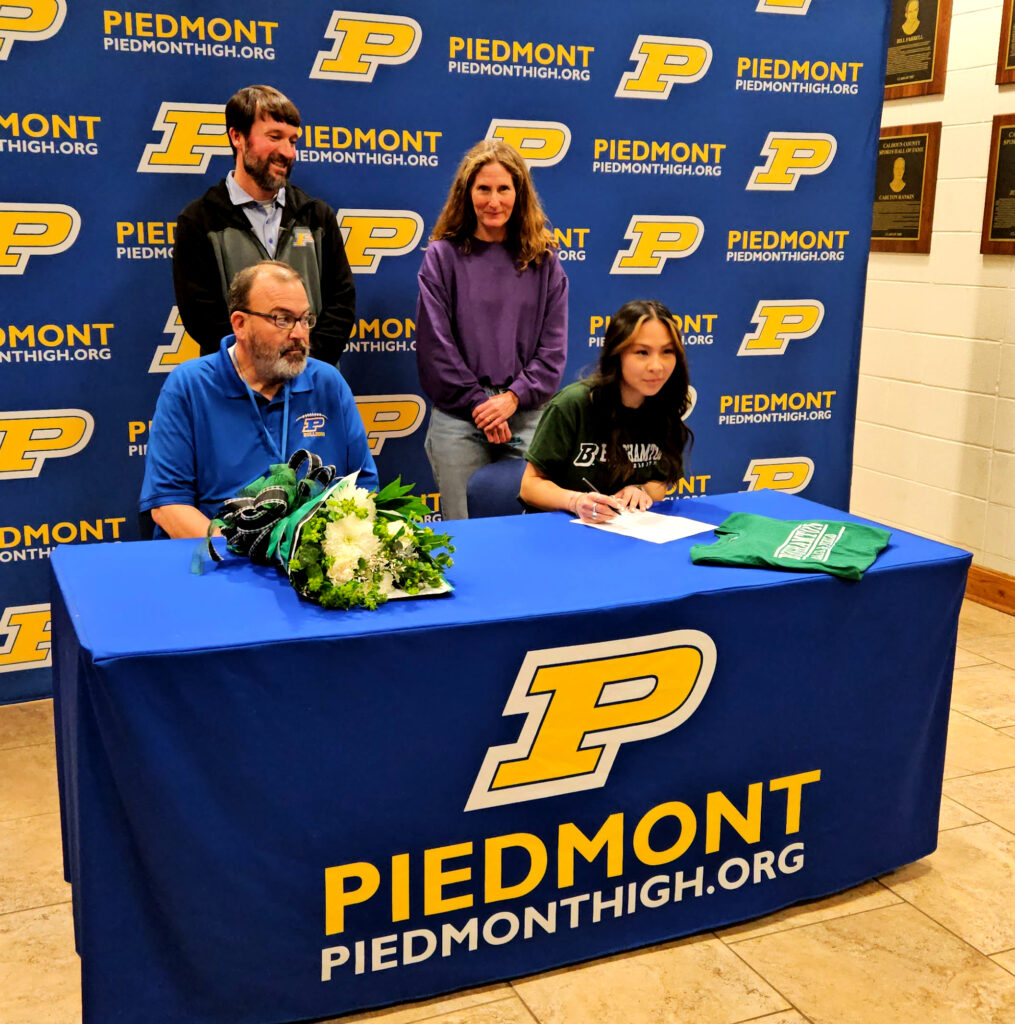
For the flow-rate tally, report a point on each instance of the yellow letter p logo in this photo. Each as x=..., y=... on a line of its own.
x=541, y=143
x=662, y=62
x=362, y=41
x=583, y=703
x=27, y=439
x=654, y=240
x=30, y=20
x=779, y=323
x=791, y=154
x=370, y=235
x=33, y=229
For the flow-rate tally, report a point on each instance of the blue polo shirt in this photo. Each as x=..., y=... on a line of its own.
x=205, y=443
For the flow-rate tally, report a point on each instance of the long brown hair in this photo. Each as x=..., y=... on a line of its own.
x=666, y=409
x=528, y=236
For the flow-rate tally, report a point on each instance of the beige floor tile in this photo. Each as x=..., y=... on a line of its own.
x=967, y=885
x=986, y=693
x=977, y=620
x=697, y=979
x=25, y=725
x=991, y=794
x=954, y=815
x=1010, y=731
x=1000, y=649
x=975, y=747
x=28, y=781
x=429, y=1009
x=1006, y=960
x=868, y=896
x=31, y=863
x=965, y=659
x=786, y=1017
x=888, y=966
x=40, y=976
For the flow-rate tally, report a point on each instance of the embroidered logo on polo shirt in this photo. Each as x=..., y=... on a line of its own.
x=312, y=424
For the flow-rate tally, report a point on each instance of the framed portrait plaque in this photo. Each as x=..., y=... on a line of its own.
x=905, y=181
x=998, y=235
x=1006, y=47
x=917, y=48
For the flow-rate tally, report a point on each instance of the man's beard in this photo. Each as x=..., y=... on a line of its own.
x=275, y=367
x=261, y=171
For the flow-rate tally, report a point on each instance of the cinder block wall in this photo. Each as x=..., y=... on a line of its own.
x=935, y=432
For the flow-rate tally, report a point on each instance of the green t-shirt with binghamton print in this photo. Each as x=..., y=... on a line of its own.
x=842, y=549
x=571, y=439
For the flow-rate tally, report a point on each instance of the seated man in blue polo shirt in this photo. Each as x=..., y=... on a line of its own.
x=223, y=419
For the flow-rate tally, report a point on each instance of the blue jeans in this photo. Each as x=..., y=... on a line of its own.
x=456, y=449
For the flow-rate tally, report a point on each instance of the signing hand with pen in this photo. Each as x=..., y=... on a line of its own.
x=593, y=507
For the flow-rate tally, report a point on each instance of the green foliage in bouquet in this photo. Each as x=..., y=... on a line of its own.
x=358, y=549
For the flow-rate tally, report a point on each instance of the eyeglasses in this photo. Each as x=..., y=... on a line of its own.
x=284, y=321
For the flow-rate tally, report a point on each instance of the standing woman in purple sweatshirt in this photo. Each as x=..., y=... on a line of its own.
x=491, y=322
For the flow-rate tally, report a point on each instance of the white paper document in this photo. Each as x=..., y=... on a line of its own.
x=651, y=526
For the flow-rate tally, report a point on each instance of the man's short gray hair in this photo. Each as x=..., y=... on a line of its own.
x=239, y=290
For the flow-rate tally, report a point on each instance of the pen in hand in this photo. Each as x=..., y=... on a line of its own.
x=619, y=510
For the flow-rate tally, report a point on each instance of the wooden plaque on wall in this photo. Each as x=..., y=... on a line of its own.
x=917, y=48
x=998, y=234
x=1006, y=47
x=905, y=182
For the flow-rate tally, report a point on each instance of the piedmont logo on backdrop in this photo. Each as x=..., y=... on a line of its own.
x=790, y=156
x=657, y=156
x=181, y=348
x=656, y=239
x=383, y=334
x=695, y=328
x=541, y=143
x=30, y=542
x=337, y=144
x=662, y=62
x=30, y=21
x=49, y=134
x=28, y=438
x=25, y=638
x=799, y=77
x=34, y=229
x=370, y=235
x=519, y=58
x=790, y=474
x=779, y=322
x=145, y=32
x=583, y=703
x=192, y=133
x=798, y=245
x=775, y=407
x=145, y=239
x=55, y=343
x=387, y=416
x=364, y=41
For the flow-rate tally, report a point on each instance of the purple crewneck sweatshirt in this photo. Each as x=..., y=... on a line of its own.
x=482, y=323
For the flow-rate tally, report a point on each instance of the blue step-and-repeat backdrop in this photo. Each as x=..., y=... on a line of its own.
x=717, y=157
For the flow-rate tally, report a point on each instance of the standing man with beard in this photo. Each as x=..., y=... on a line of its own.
x=255, y=214
x=220, y=422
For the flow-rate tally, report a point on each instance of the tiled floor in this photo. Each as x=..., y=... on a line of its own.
x=932, y=943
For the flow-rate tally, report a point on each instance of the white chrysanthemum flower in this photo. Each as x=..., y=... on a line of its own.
x=347, y=541
x=387, y=584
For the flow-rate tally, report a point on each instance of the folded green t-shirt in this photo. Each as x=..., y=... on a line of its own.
x=814, y=545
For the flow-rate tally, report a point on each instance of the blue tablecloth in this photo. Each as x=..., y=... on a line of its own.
x=273, y=812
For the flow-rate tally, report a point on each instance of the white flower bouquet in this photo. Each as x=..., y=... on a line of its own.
x=340, y=545
x=360, y=549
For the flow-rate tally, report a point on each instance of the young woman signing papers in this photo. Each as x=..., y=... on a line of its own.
x=491, y=324
x=615, y=440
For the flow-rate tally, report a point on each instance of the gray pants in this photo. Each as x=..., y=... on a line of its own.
x=456, y=449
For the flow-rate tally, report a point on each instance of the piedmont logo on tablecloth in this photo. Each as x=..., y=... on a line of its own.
x=582, y=703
